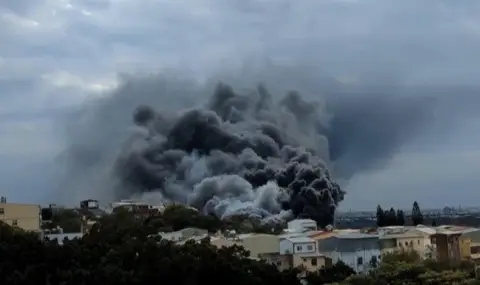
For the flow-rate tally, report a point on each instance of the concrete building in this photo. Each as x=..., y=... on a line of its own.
x=449, y=244
x=298, y=245
x=302, y=225
x=24, y=216
x=358, y=250
x=299, y=252
x=401, y=238
x=470, y=245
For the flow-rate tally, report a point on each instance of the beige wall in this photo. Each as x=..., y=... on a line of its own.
x=283, y=262
x=306, y=262
x=255, y=244
x=222, y=242
x=261, y=243
x=420, y=244
x=24, y=216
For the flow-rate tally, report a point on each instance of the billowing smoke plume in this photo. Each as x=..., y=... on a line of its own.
x=240, y=154
x=237, y=151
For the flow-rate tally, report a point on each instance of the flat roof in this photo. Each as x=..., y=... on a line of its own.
x=356, y=236
x=300, y=239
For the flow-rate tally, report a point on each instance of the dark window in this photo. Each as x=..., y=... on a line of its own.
x=314, y=261
x=359, y=260
x=299, y=248
x=310, y=247
x=2, y=211
x=475, y=249
x=14, y=223
x=418, y=241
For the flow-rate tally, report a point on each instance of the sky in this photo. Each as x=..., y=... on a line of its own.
x=56, y=55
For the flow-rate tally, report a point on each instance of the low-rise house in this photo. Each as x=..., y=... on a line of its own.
x=302, y=225
x=418, y=239
x=449, y=243
x=297, y=251
x=358, y=250
x=302, y=251
x=297, y=245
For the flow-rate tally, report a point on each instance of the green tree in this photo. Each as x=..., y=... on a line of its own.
x=120, y=249
x=400, y=218
x=417, y=216
x=391, y=217
x=380, y=217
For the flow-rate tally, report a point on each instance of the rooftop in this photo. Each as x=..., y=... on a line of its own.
x=300, y=239
x=354, y=235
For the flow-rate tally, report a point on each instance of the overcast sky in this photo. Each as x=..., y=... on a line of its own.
x=57, y=54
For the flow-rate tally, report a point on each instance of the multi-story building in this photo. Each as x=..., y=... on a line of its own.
x=24, y=216
x=360, y=251
x=301, y=252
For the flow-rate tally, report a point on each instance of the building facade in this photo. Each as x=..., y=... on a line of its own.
x=394, y=239
x=24, y=216
x=358, y=250
x=259, y=243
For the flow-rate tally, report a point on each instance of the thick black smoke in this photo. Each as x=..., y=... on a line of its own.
x=241, y=154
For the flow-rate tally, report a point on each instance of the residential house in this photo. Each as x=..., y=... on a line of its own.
x=418, y=239
x=449, y=244
x=358, y=250
x=302, y=225
x=469, y=242
x=303, y=252
x=472, y=238
x=24, y=216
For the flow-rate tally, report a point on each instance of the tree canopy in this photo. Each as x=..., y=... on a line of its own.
x=121, y=249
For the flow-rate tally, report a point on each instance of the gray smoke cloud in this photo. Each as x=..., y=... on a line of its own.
x=239, y=155
x=262, y=152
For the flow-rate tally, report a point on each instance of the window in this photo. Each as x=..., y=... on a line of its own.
x=400, y=244
x=406, y=243
x=314, y=261
x=299, y=248
x=418, y=241
x=310, y=247
x=2, y=211
x=14, y=223
x=359, y=260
